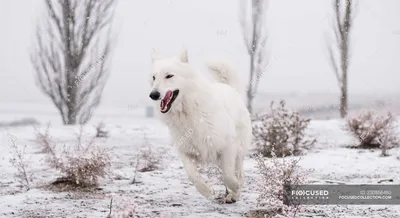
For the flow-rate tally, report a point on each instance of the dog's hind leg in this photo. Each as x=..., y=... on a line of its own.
x=195, y=177
x=245, y=141
x=239, y=174
x=240, y=177
x=227, y=165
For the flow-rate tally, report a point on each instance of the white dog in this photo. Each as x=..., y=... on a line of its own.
x=212, y=111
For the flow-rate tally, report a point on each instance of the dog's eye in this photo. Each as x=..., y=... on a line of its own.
x=169, y=76
x=154, y=78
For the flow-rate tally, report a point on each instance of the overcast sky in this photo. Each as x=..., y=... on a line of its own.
x=209, y=28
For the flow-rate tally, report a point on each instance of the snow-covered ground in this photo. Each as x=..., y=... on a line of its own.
x=167, y=192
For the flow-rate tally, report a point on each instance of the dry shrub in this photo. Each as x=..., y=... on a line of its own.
x=386, y=145
x=281, y=131
x=276, y=173
x=147, y=159
x=18, y=160
x=43, y=139
x=150, y=160
x=373, y=131
x=123, y=209
x=81, y=164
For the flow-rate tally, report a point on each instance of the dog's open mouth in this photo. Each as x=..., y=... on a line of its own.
x=167, y=101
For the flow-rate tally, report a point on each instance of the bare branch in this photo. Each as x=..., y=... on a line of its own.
x=245, y=26
x=334, y=65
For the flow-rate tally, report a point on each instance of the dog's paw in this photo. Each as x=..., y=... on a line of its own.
x=230, y=199
x=207, y=192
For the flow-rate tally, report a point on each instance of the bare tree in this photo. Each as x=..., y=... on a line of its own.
x=255, y=38
x=71, y=55
x=339, y=51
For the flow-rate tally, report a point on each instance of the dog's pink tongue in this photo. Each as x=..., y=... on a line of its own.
x=164, y=102
x=168, y=95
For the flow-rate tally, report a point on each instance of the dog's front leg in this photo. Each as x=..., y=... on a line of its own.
x=195, y=177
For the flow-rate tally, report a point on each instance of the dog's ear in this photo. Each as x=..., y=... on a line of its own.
x=154, y=55
x=184, y=56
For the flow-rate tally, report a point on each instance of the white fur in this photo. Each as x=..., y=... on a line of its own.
x=213, y=112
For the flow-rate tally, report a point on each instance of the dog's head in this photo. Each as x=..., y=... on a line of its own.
x=169, y=79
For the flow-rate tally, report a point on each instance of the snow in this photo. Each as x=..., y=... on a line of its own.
x=168, y=192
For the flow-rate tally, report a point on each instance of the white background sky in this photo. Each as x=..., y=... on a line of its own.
x=297, y=32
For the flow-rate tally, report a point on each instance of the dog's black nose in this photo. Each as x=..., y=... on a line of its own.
x=155, y=95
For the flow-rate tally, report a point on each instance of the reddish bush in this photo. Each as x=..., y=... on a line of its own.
x=373, y=131
x=281, y=131
x=81, y=164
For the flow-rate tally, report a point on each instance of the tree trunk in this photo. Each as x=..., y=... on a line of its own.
x=343, y=100
x=250, y=88
x=71, y=90
x=344, y=60
x=343, y=94
x=71, y=118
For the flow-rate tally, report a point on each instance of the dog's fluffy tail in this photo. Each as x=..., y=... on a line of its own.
x=223, y=72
